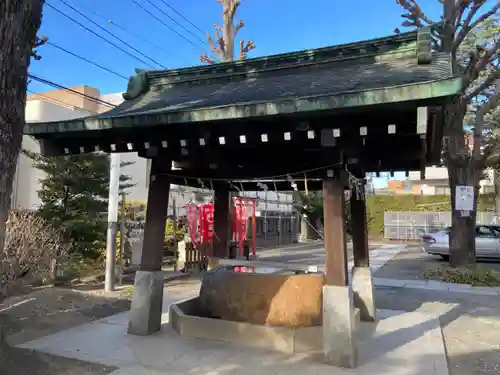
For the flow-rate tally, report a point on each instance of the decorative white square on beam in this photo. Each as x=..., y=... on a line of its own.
x=329, y=173
x=263, y=138
x=113, y=147
x=243, y=139
x=164, y=144
x=130, y=146
x=363, y=131
x=82, y=150
x=146, y=145
x=336, y=133
x=66, y=150
x=310, y=134
x=391, y=129
x=287, y=136
x=183, y=143
x=422, y=116
x=202, y=142
x=97, y=148
x=222, y=140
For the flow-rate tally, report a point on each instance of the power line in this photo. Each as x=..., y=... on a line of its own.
x=60, y=101
x=125, y=30
x=175, y=21
x=98, y=35
x=86, y=60
x=110, y=33
x=180, y=15
x=166, y=25
x=61, y=87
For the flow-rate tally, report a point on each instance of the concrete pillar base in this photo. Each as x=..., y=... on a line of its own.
x=362, y=288
x=147, y=300
x=339, y=327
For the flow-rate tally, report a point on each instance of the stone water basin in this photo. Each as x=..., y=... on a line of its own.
x=274, y=308
x=262, y=295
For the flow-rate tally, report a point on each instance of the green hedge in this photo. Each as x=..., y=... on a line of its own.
x=378, y=204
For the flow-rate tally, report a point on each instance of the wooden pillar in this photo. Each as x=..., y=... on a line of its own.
x=222, y=223
x=147, y=296
x=359, y=228
x=362, y=282
x=156, y=219
x=335, y=238
x=339, y=320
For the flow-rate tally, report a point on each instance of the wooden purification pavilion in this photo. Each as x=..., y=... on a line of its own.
x=327, y=115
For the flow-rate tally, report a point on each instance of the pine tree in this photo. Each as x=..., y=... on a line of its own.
x=74, y=195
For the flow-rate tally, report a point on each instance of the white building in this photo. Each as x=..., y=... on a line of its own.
x=27, y=178
x=436, y=182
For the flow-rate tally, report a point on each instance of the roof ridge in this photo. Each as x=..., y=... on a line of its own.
x=395, y=45
x=391, y=41
x=391, y=55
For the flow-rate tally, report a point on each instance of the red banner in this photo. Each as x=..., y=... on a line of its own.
x=200, y=222
x=207, y=222
x=240, y=224
x=192, y=222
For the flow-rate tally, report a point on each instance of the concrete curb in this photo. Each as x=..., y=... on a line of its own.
x=437, y=286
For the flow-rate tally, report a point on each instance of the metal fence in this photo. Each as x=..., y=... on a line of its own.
x=409, y=225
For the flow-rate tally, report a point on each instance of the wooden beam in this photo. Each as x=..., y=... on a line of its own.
x=334, y=227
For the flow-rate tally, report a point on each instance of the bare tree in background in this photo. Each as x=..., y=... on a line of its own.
x=19, y=24
x=223, y=43
x=476, y=59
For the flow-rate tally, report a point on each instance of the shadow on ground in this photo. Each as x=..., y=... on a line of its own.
x=49, y=310
x=470, y=324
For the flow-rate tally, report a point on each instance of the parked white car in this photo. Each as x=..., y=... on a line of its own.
x=487, y=242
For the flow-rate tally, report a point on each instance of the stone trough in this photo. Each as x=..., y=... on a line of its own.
x=273, y=309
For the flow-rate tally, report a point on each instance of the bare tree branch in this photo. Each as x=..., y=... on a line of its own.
x=414, y=16
x=492, y=77
x=468, y=25
x=245, y=47
x=38, y=43
x=222, y=45
x=482, y=111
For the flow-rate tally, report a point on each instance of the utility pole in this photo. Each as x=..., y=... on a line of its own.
x=123, y=237
x=114, y=187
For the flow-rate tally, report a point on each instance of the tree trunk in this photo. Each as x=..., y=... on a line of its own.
x=496, y=183
x=462, y=240
x=19, y=23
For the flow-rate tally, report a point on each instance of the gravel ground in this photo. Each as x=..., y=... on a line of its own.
x=46, y=311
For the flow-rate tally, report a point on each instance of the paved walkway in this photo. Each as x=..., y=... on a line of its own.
x=470, y=324
x=400, y=343
x=314, y=255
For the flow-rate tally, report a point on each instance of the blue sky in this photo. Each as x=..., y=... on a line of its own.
x=274, y=25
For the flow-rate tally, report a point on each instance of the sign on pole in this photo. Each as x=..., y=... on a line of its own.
x=464, y=199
